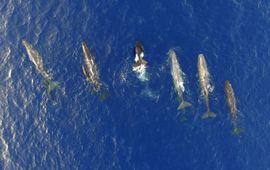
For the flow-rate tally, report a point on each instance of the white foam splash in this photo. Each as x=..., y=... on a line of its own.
x=141, y=72
x=5, y=155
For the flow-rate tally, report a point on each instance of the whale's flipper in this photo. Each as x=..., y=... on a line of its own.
x=208, y=114
x=140, y=62
x=183, y=105
x=143, y=61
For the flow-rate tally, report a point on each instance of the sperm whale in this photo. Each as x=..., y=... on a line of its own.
x=90, y=69
x=231, y=102
x=36, y=59
x=204, y=78
x=178, y=80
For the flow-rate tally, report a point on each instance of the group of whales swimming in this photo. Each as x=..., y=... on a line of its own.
x=204, y=79
x=91, y=73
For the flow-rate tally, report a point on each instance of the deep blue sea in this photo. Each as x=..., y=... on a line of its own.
x=138, y=127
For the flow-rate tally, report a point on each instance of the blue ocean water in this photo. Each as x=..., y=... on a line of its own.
x=138, y=126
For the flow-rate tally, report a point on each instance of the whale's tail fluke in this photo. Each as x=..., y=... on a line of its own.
x=104, y=95
x=51, y=85
x=208, y=114
x=237, y=131
x=184, y=104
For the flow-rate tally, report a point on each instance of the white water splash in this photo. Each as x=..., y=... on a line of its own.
x=141, y=73
x=5, y=155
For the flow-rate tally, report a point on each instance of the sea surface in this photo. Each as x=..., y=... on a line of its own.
x=138, y=127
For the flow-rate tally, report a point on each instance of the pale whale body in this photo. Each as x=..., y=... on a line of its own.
x=90, y=69
x=36, y=59
x=178, y=80
x=204, y=79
